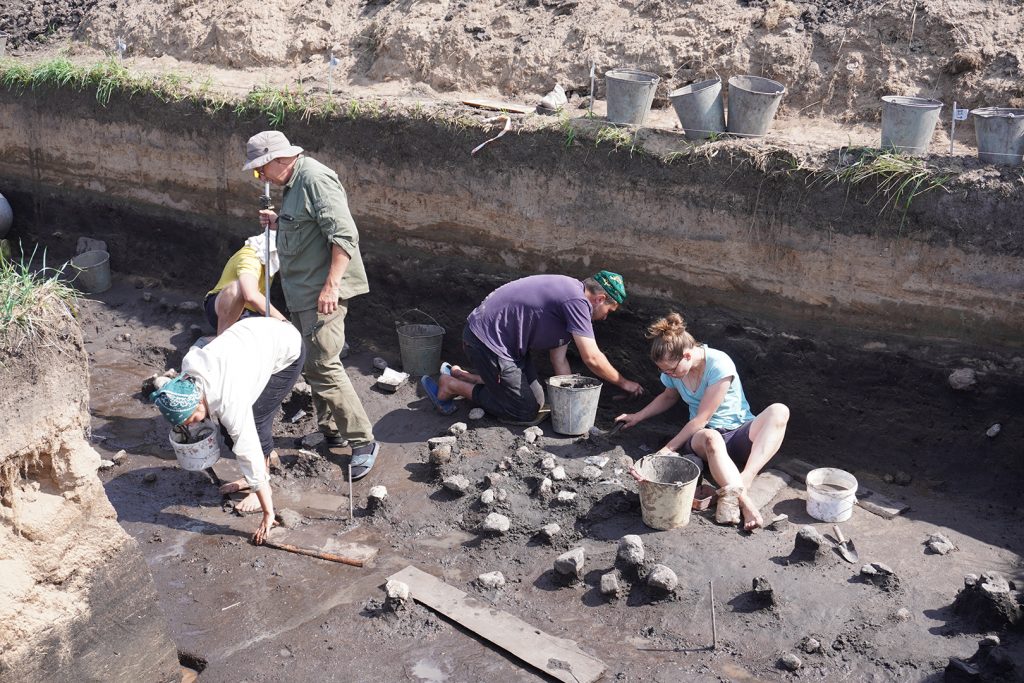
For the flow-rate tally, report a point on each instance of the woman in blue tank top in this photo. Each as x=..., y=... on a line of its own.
x=721, y=430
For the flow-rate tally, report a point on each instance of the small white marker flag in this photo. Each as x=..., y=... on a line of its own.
x=332, y=61
x=960, y=114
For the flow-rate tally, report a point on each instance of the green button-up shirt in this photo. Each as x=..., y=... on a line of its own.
x=314, y=215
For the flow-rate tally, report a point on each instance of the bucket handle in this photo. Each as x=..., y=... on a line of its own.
x=401, y=318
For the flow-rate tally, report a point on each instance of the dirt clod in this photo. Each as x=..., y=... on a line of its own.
x=880, y=575
x=790, y=662
x=810, y=547
x=763, y=594
x=989, y=603
x=289, y=519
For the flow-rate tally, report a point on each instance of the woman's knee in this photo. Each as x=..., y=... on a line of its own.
x=706, y=441
x=778, y=413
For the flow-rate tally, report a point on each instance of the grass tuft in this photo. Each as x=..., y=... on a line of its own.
x=34, y=304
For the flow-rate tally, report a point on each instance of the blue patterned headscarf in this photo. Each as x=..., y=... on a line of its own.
x=177, y=399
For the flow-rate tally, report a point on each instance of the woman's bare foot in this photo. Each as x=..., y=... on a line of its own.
x=233, y=487
x=249, y=504
x=752, y=518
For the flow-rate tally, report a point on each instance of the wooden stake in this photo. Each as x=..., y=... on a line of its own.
x=714, y=625
x=312, y=552
x=351, y=505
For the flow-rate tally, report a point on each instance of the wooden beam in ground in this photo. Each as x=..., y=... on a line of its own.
x=497, y=105
x=559, y=658
x=767, y=486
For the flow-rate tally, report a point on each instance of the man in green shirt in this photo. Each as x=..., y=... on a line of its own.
x=321, y=270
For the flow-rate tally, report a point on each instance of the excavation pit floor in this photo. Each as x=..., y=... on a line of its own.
x=259, y=614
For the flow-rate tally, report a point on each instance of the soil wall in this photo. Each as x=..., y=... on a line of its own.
x=76, y=597
x=739, y=230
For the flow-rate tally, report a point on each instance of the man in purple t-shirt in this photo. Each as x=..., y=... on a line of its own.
x=536, y=313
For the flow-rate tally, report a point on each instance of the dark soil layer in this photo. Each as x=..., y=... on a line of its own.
x=41, y=20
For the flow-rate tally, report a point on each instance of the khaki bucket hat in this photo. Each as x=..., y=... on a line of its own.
x=264, y=147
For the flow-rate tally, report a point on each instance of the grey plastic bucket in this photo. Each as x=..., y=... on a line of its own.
x=3, y=44
x=908, y=123
x=630, y=94
x=420, y=345
x=92, y=274
x=573, y=400
x=753, y=102
x=666, y=492
x=1000, y=132
x=699, y=108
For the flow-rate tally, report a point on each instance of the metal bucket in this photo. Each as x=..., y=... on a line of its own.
x=6, y=216
x=1000, y=132
x=908, y=123
x=630, y=94
x=93, y=274
x=573, y=400
x=420, y=345
x=666, y=492
x=831, y=494
x=3, y=44
x=699, y=108
x=202, y=453
x=753, y=102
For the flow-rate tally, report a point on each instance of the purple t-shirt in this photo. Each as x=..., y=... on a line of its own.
x=535, y=313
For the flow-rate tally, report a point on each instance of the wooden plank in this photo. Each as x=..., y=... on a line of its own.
x=867, y=498
x=797, y=469
x=766, y=486
x=497, y=105
x=559, y=658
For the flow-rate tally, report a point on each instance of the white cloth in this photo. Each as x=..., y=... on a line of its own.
x=259, y=245
x=232, y=371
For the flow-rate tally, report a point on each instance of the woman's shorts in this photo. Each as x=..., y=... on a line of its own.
x=737, y=443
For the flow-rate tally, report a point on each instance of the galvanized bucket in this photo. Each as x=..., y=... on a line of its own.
x=908, y=123
x=630, y=94
x=420, y=344
x=1000, y=132
x=573, y=401
x=666, y=492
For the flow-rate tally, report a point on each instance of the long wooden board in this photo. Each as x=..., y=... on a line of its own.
x=867, y=498
x=497, y=105
x=557, y=657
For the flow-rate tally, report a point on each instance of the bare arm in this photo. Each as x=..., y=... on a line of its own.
x=327, y=303
x=657, y=406
x=249, y=284
x=595, y=359
x=559, y=361
x=708, y=405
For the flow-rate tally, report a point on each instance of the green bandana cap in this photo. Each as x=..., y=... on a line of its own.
x=612, y=284
x=177, y=399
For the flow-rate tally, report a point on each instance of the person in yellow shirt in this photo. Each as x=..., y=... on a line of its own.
x=241, y=290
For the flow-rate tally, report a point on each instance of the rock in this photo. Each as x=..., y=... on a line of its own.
x=491, y=580
x=989, y=603
x=285, y=652
x=545, y=487
x=523, y=452
x=810, y=645
x=89, y=244
x=610, y=587
x=494, y=479
x=531, y=434
x=962, y=379
x=571, y=563
x=790, y=662
x=596, y=460
x=106, y=464
x=496, y=524
x=119, y=457
x=439, y=441
x=149, y=478
x=810, y=546
x=993, y=431
x=990, y=640
x=939, y=544
x=458, y=428
x=881, y=575
x=501, y=495
x=380, y=364
x=902, y=478
x=302, y=389
x=147, y=297
x=476, y=414
x=549, y=531
x=189, y=307
x=441, y=455
x=565, y=497
x=290, y=519
x=662, y=578
x=591, y=473
x=547, y=464
x=631, y=550
x=902, y=614
x=312, y=440
x=487, y=497
x=970, y=580
x=397, y=593
x=558, y=474
x=457, y=484
x=378, y=493
x=764, y=594
x=779, y=523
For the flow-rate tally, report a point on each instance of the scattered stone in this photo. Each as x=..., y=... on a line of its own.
x=458, y=428
x=881, y=575
x=545, y=487
x=487, y=497
x=962, y=379
x=441, y=455
x=313, y=440
x=591, y=473
x=902, y=614
x=523, y=452
x=558, y=474
x=380, y=363
x=547, y=464
x=779, y=523
x=289, y=519
x=631, y=550
x=991, y=640
x=533, y=433
x=126, y=336
x=302, y=389
x=149, y=478
x=376, y=498
x=491, y=580
x=571, y=563
x=596, y=460
x=119, y=457
x=549, y=531
x=476, y=414
x=297, y=416
x=438, y=441
x=285, y=653
x=147, y=297
x=810, y=645
x=939, y=544
x=106, y=464
x=397, y=593
x=970, y=580
x=501, y=496
x=565, y=497
x=506, y=463
x=764, y=594
x=662, y=578
x=610, y=587
x=989, y=602
x=496, y=524
x=457, y=484
x=993, y=431
x=810, y=546
x=902, y=478
x=189, y=307
x=790, y=662
x=494, y=479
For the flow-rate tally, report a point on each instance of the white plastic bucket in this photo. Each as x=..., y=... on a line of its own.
x=831, y=494
x=666, y=493
x=201, y=454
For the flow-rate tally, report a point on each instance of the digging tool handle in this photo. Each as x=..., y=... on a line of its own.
x=839, y=534
x=314, y=553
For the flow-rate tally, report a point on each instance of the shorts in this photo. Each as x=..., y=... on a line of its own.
x=737, y=444
x=511, y=388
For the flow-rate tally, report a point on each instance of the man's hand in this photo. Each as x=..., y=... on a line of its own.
x=327, y=302
x=632, y=388
x=265, y=525
x=268, y=217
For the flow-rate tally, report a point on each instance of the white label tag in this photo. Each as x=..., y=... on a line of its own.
x=960, y=114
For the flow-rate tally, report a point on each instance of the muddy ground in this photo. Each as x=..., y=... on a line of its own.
x=872, y=406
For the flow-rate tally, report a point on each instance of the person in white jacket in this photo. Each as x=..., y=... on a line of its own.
x=239, y=379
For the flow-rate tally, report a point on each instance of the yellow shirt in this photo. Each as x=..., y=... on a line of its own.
x=244, y=260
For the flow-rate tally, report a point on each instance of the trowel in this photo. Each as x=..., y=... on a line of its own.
x=845, y=547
